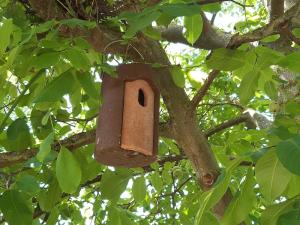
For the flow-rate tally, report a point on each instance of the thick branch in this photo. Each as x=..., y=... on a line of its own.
x=72, y=143
x=277, y=9
x=102, y=39
x=273, y=27
x=209, y=39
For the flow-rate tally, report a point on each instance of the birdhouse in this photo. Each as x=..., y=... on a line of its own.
x=127, y=129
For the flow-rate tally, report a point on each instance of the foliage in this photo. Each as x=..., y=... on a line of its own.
x=50, y=85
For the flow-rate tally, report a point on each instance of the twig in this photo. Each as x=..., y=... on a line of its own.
x=240, y=4
x=16, y=102
x=177, y=189
x=222, y=104
x=203, y=90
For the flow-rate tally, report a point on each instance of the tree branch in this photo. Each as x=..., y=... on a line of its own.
x=203, y=90
x=209, y=39
x=72, y=143
x=271, y=28
x=227, y=124
x=277, y=9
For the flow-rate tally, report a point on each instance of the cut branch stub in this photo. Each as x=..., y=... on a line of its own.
x=127, y=131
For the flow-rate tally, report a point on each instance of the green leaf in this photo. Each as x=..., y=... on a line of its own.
x=271, y=90
x=113, y=184
x=177, y=76
x=209, y=198
x=88, y=85
x=139, y=189
x=291, y=62
x=290, y=218
x=265, y=57
x=210, y=219
x=53, y=217
x=271, y=38
x=271, y=176
x=74, y=22
x=46, y=60
x=242, y=203
x=176, y=10
x=211, y=7
x=44, y=27
x=49, y=198
x=45, y=147
x=157, y=182
x=77, y=58
x=288, y=152
x=152, y=33
x=194, y=26
x=296, y=32
x=141, y=22
x=292, y=107
x=56, y=89
x=114, y=216
x=18, y=136
x=271, y=214
x=16, y=208
x=248, y=86
x=226, y=59
x=6, y=30
x=16, y=128
x=292, y=189
x=46, y=118
x=68, y=171
x=28, y=184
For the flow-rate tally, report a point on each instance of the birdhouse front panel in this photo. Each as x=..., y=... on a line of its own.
x=138, y=117
x=127, y=127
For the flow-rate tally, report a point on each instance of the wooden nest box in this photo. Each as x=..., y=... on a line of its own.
x=127, y=130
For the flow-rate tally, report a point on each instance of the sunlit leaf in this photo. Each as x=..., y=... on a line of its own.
x=226, y=59
x=178, y=76
x=56, y=89
x=68, y=171
x=139, y=189
x=194, y=26
x=288, y=152
x=271, y=176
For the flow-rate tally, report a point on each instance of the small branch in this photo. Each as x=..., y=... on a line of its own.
x=16, y=102
x=240, y=4
x=227, y=124
x=223, y=104
x=243, y=163
x=203, y=90
x=177, y=189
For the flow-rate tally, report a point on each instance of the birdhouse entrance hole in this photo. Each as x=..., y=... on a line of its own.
x=141, y=97
x=138, y=117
